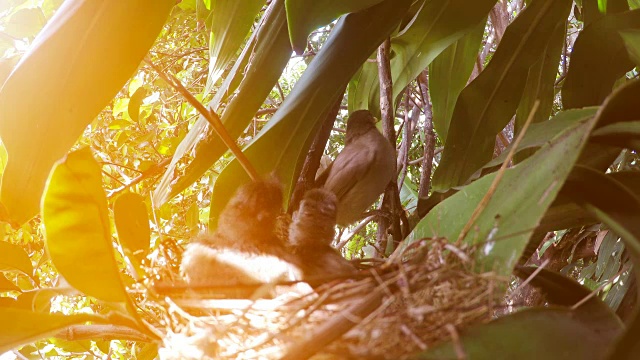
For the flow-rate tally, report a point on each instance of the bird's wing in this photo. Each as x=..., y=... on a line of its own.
x=351, y=165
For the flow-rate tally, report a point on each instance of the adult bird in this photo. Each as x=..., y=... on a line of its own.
x=362, y=170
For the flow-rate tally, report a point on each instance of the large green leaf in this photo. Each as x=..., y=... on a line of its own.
x=132, y=223
x=541, y=84
x=439, y=24
x=77, y=229
x=551, y=333
x=599, y=58
x=231, y=21
x=269, y=56
x=631, y=40
x=449, y=74
x=539, y=134
x=519, y=202
x=21, y=327
x=622, y=134
x=487, y=104
x=73, y=69
x=13, y=257
x=304, y=16
x=285, y=139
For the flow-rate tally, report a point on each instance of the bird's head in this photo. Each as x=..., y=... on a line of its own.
x=359, y=122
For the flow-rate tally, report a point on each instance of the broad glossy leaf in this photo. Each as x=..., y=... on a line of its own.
x=304, y=16
x=231, y=21
x=132, y=223
x=54, y=89
x=268, y=58
x=487, y=104
x=551, y=333
x=286, y=138
x=21, y=327
x=449, y=73
x=77, y=229
x=609, y=201
x=25, y=22
x=541, y=84
x=631, y=40
x=622, y=134
x=6, y=285
x=539, y=134
x=439, y=24
x=133, y=107
x=519, y=202
x=13, y=257
x=599, y=58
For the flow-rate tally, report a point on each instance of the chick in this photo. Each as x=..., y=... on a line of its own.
x=244, y=249
x=310, y=235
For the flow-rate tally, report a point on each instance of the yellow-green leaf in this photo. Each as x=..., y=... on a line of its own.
x=132, y=222
x=13, y=257
x=77, y=230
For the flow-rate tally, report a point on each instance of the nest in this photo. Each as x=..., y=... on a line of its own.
x=393, y=310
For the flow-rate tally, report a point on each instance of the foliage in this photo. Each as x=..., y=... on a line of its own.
x=107, y=170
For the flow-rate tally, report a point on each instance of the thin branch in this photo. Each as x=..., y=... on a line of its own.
x=429, y=137
x=211, y=117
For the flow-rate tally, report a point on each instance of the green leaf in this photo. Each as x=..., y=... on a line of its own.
x=6, y=285
x=85, y=43
x=541, y=84
x=21, y=327
x=268, y=58
x=13, y=257
x=519, y=202
x=285, y=139
x=133, y=107
x=539, y=134
x=634, y=4
x=631, y=40
x=25, y=22
x=609, y=201
x=231, y=21
x=599, y=58
x=622, y=134
x=439, y=24
x=304, y=16
x=487, y=104
x=77, y=229
x=132, y=223
x=449, y=73
x=538, y=333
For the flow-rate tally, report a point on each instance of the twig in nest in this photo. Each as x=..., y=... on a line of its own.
x=212, y=118
x=494, y=185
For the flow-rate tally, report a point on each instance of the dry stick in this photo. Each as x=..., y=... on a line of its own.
x=494, y=185
x=212, y=118
x=335, y=327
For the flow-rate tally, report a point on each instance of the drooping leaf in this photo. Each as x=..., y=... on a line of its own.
x=595, y=9
x=487, y=104
x=133, y=108
x=552, y=333
x=231, y=21
x=519, y=202
x=539, y=134
x=541, y=84
x=269, y=57
x=13, y=257
x=77, y=229
x=25, y=22
x=84, y=44
x=439, y=24
x=622, y=134
x=304, y=16
x=285, y=139
x=132, y=222
x=21, y=327
x=6, y=285
x=599, y=58
x=448, y=75
x=631, y=40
